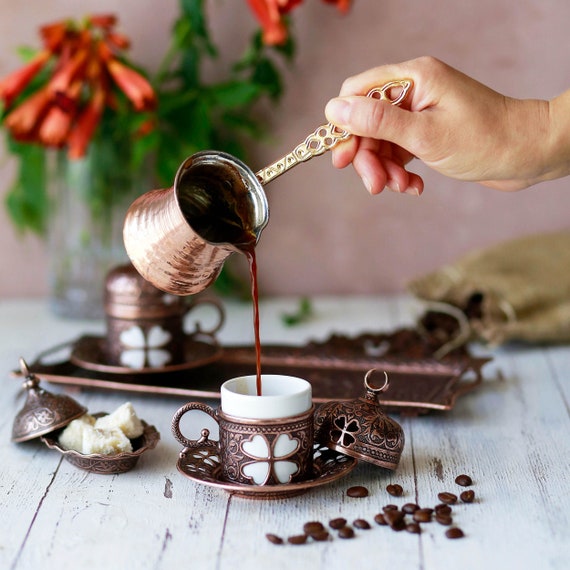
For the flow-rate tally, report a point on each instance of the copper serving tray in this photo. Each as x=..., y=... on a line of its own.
x=418, y=383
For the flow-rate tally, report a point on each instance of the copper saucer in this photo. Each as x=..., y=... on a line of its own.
x=88, y=352
x=202, y=464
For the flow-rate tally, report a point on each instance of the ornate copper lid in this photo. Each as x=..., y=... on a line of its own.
x=129, y=296
x=360, y=428
x=43, y=411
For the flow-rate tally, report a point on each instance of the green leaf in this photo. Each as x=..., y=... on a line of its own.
x=235, y=94
x=267, y=76
x=303, y=313
x=27, y=201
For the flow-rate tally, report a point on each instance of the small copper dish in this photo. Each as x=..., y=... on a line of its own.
x=107, y=464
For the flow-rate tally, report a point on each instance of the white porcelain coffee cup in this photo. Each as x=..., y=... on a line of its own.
x=263, y=440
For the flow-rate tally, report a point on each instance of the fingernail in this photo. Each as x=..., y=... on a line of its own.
x=367, y=184
x=394, y=186
x=412, y=191
x=337, y=111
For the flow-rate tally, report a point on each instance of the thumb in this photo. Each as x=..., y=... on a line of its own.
x=372, y=118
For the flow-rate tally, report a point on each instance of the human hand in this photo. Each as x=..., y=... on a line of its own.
x=454, y=124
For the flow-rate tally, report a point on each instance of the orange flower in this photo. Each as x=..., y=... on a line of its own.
x=105, y=21
x=23, y=119
x=69, y=106
x=56, y=125
x=68, y=70
x=54, y=35
x=270, y=15
x=85, y=125
x=342, y=5
x=12, y=85
x=133, y=85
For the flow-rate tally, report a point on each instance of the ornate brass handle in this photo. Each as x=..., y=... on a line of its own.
x=328, y=136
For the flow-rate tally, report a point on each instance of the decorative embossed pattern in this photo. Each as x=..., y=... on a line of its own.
x=361, y=430
x=235, y=436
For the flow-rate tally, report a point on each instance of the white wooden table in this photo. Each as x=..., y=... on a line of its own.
x=511, y=435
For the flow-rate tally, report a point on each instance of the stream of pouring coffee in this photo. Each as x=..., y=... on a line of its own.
x=212, y=201
x=250, y=254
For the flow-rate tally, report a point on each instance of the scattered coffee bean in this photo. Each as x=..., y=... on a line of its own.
x=467, y=496
x=297, y=539
x=320, y=536
x=393, y=517
x=379, y=519
x=443, y=509
x=346, y=532
x=410, y=508
x=273, y=538
x=464, y=480
x=443, y=519
x=414, y=528
x=447, y=498
x=337, y=523
x=387, y=508
x=361, y=523
x=422, y=515
x=395, y=490
x=357, y=491
x=399, y=525
x=312, y=527
x=454, y=532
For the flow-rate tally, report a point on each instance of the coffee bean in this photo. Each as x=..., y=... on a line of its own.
x=443, y=519
x=273, y=538
x=297, y=539
x=443, y=509
x=346, y=532
x=447, y=498
x=398, y=525
x=464, y=480
x=387, y=508
x=320, y=536
x=454, y=532
x=337, y=523
x=410, y=508
x=467, y=496
x=414, y=528
x=395, y=490
x=361, y=523
x=422, y=515
x=313, y=526
x=393, y=517
x=357, y=491
x=379, y=519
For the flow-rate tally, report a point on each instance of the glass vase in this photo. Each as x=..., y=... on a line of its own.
x=89, y=198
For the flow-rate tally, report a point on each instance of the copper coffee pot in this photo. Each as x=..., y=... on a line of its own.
x=178, y=238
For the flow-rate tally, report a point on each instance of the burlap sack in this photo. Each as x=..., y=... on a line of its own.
x=517, y=290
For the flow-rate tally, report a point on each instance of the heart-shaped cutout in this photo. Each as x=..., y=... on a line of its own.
x=157, y=357
x=258, y=471
x=283, y=470
x=132, y=337
x=134, y=358
x=285, y=446
x=157, y=337
x=257, y=447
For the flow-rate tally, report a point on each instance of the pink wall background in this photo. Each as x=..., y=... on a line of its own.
x=326, y=234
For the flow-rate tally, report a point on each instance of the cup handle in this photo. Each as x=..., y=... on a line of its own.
x=221, y=315
x=190, y=443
